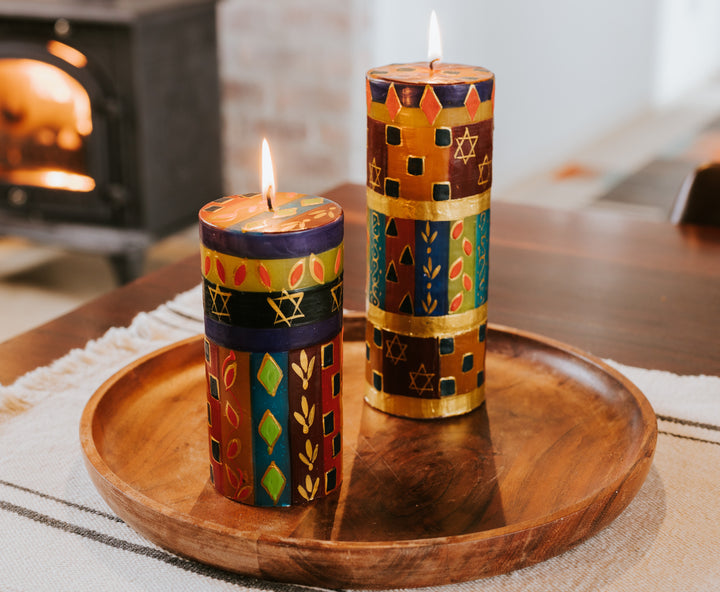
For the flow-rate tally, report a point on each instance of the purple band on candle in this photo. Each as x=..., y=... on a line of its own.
x=276, y=339
x=259, y=245
x=449, y=95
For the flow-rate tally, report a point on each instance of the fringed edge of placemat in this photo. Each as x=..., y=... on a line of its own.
x=177, y=319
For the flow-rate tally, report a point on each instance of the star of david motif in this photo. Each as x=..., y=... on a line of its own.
x=374, y=174
x=291, y=304
x=484, y=171
x=219, y=301
x=337, y=296
x=396, y=350
x=460, y=150
x=421, y=380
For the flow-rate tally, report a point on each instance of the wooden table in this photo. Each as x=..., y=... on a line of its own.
x=643, y=293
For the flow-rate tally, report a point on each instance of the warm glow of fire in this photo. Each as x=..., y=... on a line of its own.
x=53, y=179
x=434, y=40
x=65, y=52
x=34, y=95
x=268, y=176
x=45, y=118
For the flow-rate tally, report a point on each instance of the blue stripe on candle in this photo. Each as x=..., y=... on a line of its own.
x=429, y=254
x=277, y=404
x=281, y=245
x=276, y=339
x=481, y=266
x=376, y=258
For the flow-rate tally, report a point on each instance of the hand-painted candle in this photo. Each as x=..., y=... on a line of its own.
x=273, y=282
x=429, y=158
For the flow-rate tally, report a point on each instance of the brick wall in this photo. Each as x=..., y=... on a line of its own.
x=287, y=71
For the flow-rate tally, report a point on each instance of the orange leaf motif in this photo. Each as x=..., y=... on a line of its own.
x=296, y=273
x=316, y=269
x=220, y=270
x=467, y=246
x=456, y=269
x=339, y=259
x=456, y=302
x=457, y=229
x=208, y=263
x=467, y=282
x=264, y=276
x=240, y=274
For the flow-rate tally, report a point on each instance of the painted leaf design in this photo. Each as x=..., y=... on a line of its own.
x=233, y=479
x=240, y=274
x=298, y=370
x=467, y=282
x=229, y=375
x=304, y=405
x=467, y=246
x=244, y=492
x=264, y=276
x=207, y=265
x=296, y=273
x=311, y=415
x=457, y=229
x=233, y=448
x=316, y=269
x=229, y=370
x=220, y=269
x=456, y=302
x=338, y=260
x=456, y=268
x=232, y=416
x=311, y=365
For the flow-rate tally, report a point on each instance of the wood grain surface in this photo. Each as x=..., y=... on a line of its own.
x=560, y=448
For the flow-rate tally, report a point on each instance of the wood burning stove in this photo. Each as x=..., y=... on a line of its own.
x=109, y=122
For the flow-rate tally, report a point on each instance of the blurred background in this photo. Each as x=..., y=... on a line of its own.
x=598, y=105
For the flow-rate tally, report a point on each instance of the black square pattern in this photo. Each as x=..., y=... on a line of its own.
x=415, y=165
x=392, y=187
x=393, y=136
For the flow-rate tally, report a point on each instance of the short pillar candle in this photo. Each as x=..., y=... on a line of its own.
x=272, y=283
x=429, y=159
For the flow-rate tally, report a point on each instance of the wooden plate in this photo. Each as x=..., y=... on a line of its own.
x=560, y=448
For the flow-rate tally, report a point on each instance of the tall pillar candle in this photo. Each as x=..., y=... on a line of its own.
x=429, y=159
x=272, y=282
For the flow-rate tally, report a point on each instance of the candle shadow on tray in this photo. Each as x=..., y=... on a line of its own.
x=414, y=479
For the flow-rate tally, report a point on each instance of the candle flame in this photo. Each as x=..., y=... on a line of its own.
x=434, y=41
x=268, y=176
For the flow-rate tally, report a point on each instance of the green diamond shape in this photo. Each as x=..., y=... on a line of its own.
x=270, y=430
x=270, y=374
x=273, y=482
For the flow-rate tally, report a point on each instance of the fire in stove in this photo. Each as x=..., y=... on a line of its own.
x=45, y=120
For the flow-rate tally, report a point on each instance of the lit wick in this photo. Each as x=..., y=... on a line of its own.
x=268, y=176
x=434, y=41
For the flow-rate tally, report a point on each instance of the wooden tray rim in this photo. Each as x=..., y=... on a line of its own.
x=95, y=460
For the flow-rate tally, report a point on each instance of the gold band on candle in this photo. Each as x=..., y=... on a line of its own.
x=443, y=326
x=454, y=209
x=268, y=275
x=425, y=408
x=413, y=117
